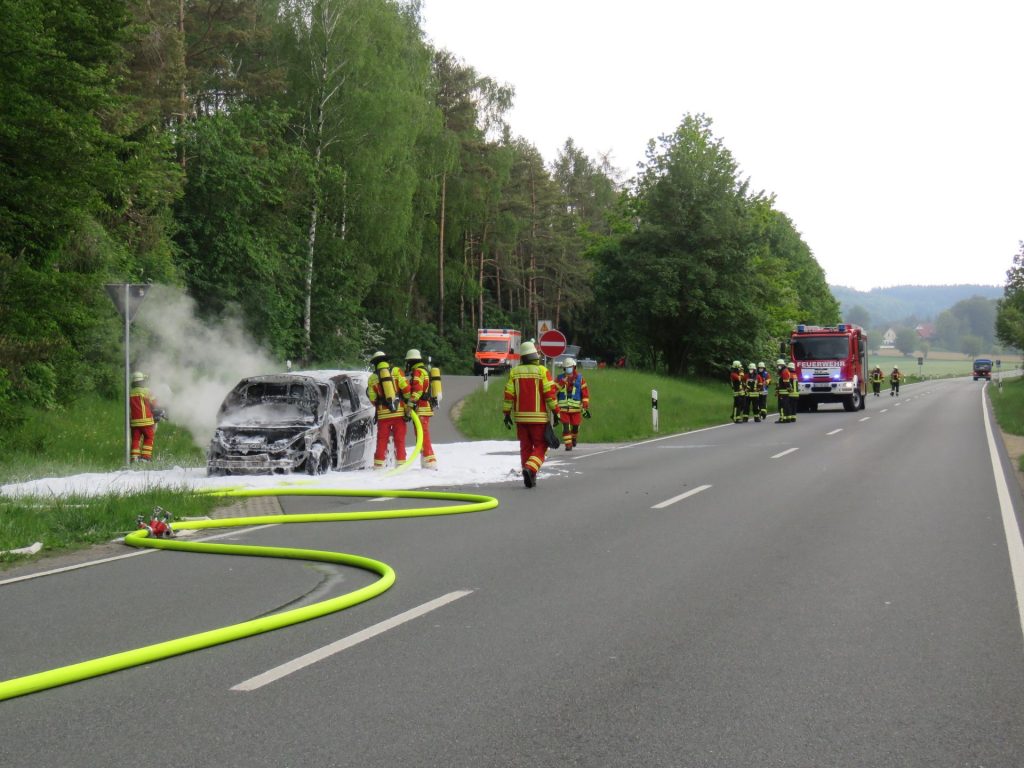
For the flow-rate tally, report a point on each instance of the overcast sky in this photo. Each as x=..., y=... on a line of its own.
x=889, y=131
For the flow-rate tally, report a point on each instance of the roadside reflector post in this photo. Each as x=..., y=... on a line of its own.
x=654, y=409
x=487, y=372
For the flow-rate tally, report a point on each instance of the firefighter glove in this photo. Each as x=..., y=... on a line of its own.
x=586, y=413
x=508, y=421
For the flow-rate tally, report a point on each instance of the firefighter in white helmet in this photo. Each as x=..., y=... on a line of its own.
x=420, y=400
x=573, y=401
x=738, y=382
x=143, y=416
x=894, y=381
x=387, y=388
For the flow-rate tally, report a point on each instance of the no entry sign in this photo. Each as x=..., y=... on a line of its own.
x=552, y=343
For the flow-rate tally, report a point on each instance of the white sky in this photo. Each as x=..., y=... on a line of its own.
x=889, y=130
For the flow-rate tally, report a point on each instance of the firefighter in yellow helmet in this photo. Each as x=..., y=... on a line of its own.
x=529, y=395
x=420, y=400
x=877, y=377
x=387, y=389
x=143, y=413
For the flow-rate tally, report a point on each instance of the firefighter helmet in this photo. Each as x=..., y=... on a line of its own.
x=568, y=363
x=780, y=363
x=791, y=366
x=413, y=355
x=895, y=367
x=528, y=348
x=377, y=357
x=736, y=364
x=138, y=377
x=751, y=367
x=760, y=366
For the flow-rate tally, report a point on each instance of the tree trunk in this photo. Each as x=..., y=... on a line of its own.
x=440, y=258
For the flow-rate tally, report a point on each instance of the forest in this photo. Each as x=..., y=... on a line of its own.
x=316, y=170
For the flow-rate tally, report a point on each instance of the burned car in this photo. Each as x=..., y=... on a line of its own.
x=311, y=421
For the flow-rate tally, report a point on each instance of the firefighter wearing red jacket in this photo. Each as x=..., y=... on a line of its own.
x=783, y=387
x=387, y=390
x=420, y=400
x=529, y=395
x=573, y=402
x=142, y=410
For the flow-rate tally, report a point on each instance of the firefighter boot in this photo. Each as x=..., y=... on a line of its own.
x=529, y=477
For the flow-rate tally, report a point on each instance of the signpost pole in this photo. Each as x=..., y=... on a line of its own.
x=127, y=381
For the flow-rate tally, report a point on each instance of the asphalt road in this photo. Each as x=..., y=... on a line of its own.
x=834, y=592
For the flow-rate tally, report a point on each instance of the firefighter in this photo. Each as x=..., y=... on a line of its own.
x=782, y=388
x=753, y=393
x=894, y=381
x=420, y=400
x=143, y=412
x=387, y=388
x=573, y=401
x=794, y=391
x=877, y=377
x=765, y=377
x=738, y=382
x=529, y=395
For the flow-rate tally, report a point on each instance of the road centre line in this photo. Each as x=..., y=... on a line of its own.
x=784, y=453
x=834, y=431
x=301, y=662
x=866, y=418
x=680, y=497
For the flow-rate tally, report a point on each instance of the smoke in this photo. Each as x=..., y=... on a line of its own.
x=193, y=364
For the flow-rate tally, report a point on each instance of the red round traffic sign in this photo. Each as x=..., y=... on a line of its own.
x=552, y=343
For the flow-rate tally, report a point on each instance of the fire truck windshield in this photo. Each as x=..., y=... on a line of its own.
x=821, y=348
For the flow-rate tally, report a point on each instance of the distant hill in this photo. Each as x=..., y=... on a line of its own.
x=921, y=303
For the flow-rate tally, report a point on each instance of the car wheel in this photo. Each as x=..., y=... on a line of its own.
x=319, y=461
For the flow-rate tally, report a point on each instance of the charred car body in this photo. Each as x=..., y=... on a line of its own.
x=311, y=421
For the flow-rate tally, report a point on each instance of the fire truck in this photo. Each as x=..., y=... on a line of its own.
x=831, y=365
x=496, y=349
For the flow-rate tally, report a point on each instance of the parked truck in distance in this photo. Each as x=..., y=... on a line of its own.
x=983, y=369
x=497, y=349
x=831, y=365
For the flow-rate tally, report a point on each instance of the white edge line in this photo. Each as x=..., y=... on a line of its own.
x=133, y=553
x=680, y=497
x=1010, y=527
x=835, y=431
x=784, y=453
x=866, y=418
x=283, y=670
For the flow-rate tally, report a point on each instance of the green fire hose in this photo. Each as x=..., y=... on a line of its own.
x=467, y=502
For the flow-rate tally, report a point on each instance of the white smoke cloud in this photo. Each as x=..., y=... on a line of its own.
x=193, y=364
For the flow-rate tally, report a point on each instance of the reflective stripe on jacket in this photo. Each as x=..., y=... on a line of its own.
x=140, y=407
x=573, y=393
x=530, y=394
x=419, y=390
x=375, y=391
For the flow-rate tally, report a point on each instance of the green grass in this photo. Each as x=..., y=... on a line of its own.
x=1008, y=403
x=85, y=436
x=621, y=407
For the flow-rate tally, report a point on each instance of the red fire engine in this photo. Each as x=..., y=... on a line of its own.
x=831, y=365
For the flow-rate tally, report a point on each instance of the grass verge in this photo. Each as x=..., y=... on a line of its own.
x=1008, y=404
x=85, y=436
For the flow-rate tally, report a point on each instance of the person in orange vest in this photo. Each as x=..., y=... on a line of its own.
x=573, y=401
x=783, y=387
x=738, y=382
x=419, y=400
x=529, y=395
x=876, y=380
x=387, y=388
x=764, y=378
x=142, y=411
x=894, y=381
